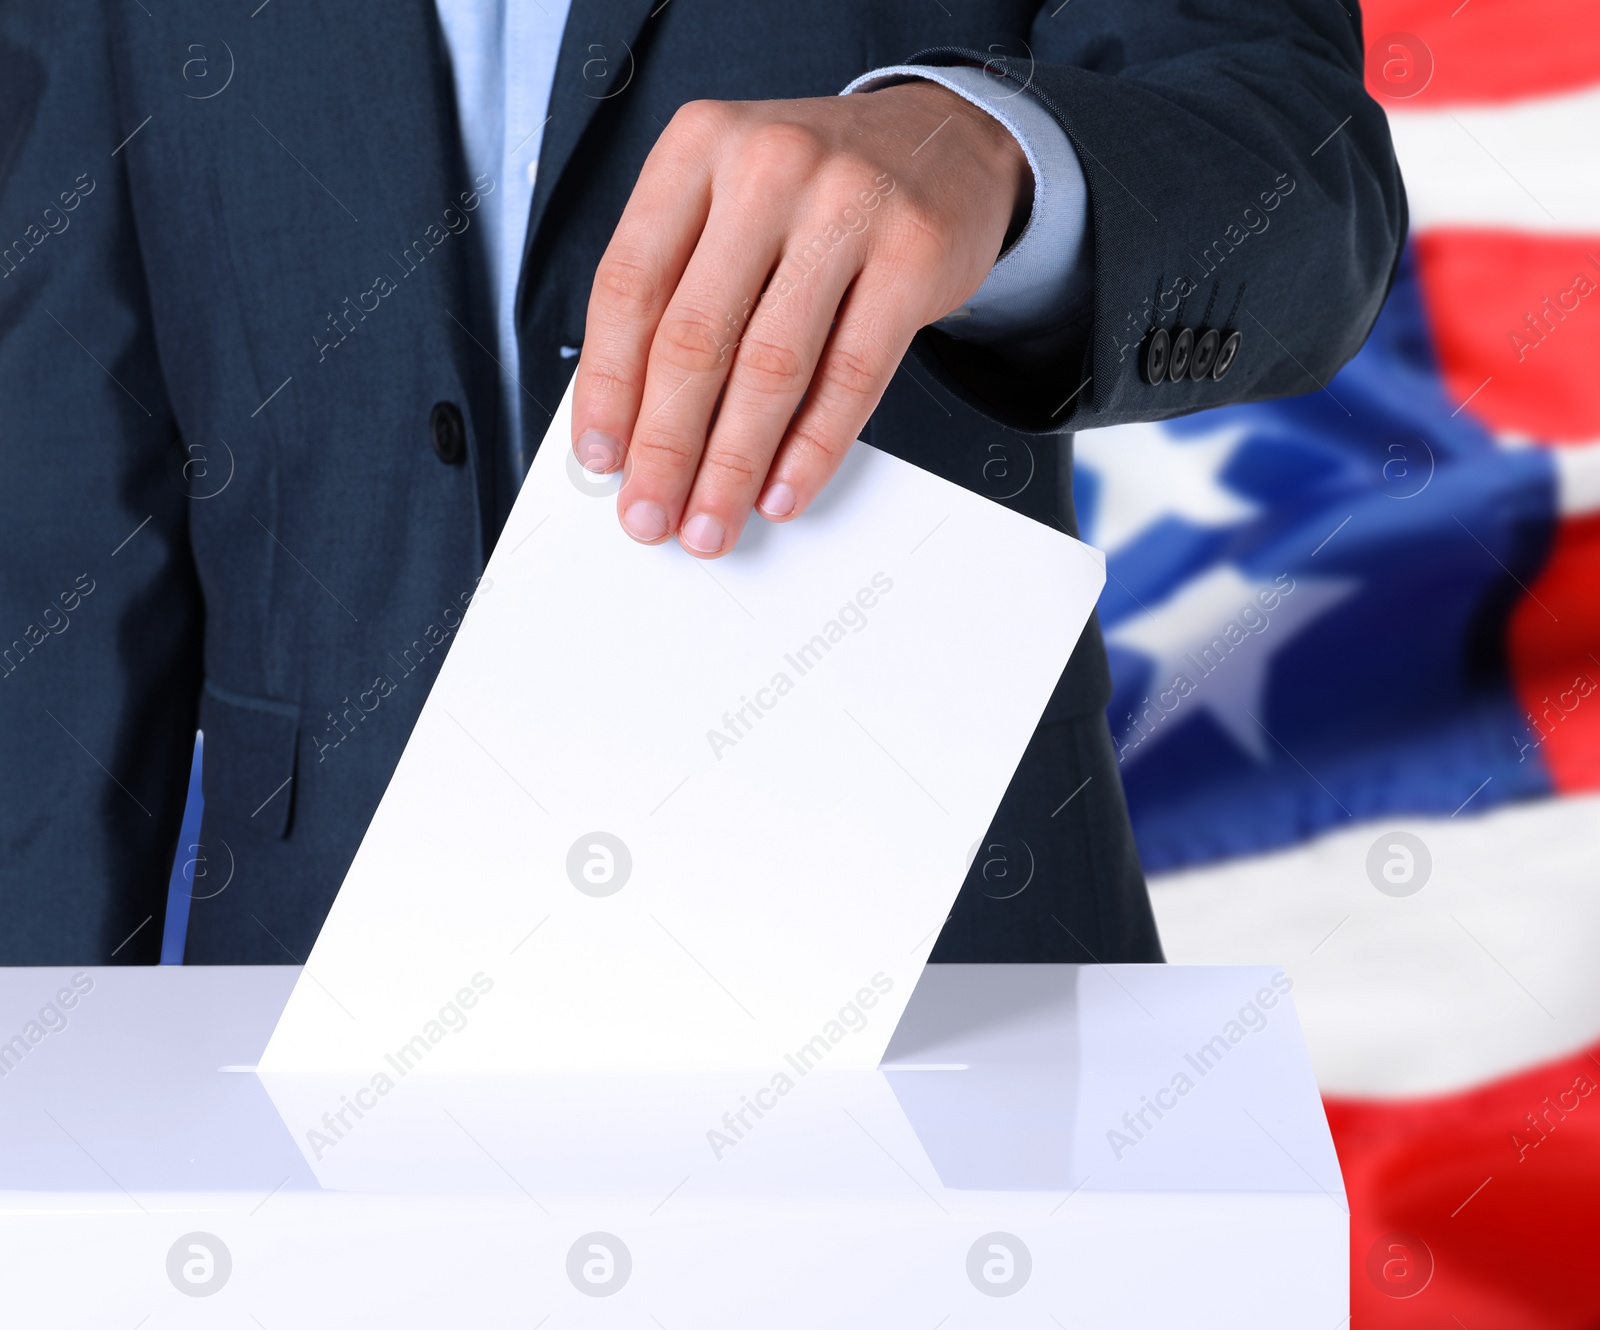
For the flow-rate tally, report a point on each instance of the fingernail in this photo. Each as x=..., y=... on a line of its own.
x=598, y=452
x=703, y=534
x=645, y=521
x=778, y=501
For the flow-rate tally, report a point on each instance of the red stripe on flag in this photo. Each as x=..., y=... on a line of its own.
x=1439, y=53
x=1479, y=1206
x=1516, y=322
x=1554, y=639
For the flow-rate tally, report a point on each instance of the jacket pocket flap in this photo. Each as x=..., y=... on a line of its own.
x=250, y=757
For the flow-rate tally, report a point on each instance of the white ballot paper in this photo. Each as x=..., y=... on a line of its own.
x=659, y=813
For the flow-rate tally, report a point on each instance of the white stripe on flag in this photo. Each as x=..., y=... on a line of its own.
x=1529, y=166
x=1577, y=468
x=1488, y=969
x=1578, y=478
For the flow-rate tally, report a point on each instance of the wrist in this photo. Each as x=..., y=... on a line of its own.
x=990, y=146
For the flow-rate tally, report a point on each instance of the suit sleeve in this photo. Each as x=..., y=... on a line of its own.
x=1240, y=179
x=99, y=607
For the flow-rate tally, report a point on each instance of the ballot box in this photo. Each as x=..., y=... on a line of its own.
x=1044, y=1145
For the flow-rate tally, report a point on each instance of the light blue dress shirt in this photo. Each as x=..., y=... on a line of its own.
x=503, y=59
x=502, y=125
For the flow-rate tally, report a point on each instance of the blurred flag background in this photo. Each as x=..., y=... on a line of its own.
x=1389, y=781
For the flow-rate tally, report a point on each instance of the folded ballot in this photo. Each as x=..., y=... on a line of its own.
x=659, y=813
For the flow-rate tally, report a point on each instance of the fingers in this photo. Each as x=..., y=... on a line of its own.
x=772, y=371
x=719, y=391
x=853, y=370
x=636, y=277
x=690, y=357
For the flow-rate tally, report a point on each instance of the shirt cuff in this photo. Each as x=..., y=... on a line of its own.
x=1040, y=286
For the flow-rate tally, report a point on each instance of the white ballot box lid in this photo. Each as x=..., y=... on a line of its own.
x=1144, y=1139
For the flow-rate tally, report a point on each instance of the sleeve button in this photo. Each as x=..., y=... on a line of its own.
x=1227, y=354
x=1182, y=348
x=1156, y=355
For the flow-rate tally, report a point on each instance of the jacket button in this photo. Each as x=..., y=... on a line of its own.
x=1204, y=355
x=1156, y=351
x=1182, y=346
x=1227, y=353
x=448, y=433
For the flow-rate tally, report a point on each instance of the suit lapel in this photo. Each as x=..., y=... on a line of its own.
x=597, y=63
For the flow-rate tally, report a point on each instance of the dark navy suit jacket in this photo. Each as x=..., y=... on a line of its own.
x=236, y=280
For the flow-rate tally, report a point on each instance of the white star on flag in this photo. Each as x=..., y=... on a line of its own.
x=1147, y=472
x=1187, y=635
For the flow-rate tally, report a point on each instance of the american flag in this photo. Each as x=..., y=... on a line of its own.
x=1355, y=639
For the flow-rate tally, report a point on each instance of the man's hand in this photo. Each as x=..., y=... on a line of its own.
x=767, y=275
